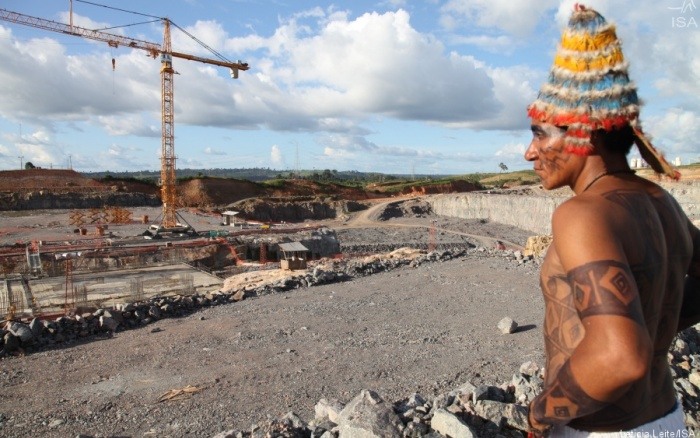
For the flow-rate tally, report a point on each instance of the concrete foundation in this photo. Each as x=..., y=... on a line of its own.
x=104, y=289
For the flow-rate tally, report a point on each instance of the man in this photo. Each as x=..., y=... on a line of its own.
x=623, y=250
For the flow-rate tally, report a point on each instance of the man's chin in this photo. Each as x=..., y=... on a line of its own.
x=548, y=185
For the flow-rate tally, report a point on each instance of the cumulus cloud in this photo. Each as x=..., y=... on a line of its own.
x=336, y=153
x=677, y=130
x=515, y=17
x=41, y=81
x=276, y=156
x=129, y=125
x=375, y=64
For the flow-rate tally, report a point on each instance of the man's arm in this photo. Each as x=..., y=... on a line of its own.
x=615, y=350
x=690, y=310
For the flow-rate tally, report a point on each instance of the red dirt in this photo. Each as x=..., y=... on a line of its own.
x=51, y=179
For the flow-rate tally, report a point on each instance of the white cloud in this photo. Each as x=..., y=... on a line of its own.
x=337, y=153
x=515, y=17
x=209, y=32
x=675, y=132
x=329, y=69
x=276, y=156
x=129, y=125
x=43, y=82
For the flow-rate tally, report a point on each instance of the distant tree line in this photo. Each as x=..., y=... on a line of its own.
x=256, y=175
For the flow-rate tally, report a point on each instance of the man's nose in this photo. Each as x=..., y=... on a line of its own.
x=531, y=153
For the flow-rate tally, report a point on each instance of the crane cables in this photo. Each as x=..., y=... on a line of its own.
x=156, y=18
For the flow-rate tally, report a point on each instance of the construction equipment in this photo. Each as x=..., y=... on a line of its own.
x=169, y=219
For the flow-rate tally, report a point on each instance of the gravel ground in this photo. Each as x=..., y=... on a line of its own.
x=426, y=329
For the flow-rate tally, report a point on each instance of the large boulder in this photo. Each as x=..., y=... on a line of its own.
x=448, y=424
x=368, y=416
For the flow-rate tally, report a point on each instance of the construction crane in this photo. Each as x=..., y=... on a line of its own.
x=169, y=217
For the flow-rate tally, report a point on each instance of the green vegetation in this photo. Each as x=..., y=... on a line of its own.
x=510, y=179
x=373, y=181
x=274, y=183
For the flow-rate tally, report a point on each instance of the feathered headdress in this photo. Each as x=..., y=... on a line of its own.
x=589, y=89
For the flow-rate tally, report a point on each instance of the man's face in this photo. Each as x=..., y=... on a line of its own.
x=551, y=163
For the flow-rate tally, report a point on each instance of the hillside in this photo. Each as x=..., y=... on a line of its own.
x=217, y=192
x=62, y=180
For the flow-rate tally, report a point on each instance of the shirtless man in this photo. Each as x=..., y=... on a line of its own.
x=623, y=251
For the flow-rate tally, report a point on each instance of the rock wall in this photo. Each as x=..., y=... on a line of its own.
x=528, y=212
x=531, y=209
x=295, y=209
x=42, y=199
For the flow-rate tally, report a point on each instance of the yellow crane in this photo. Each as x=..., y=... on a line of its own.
x=169, y=219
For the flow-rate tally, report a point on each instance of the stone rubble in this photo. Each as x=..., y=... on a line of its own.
x=64, y=330
x=466, y=411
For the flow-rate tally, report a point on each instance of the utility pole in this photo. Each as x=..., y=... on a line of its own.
x=296, y=159
x=70, y=162
x=21, y=157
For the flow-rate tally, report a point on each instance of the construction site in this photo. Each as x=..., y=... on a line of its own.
x=60, y=261
x=86, y=259
x=25, y=284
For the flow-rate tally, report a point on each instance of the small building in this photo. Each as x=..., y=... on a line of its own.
x=229, y=218
x=294, y=256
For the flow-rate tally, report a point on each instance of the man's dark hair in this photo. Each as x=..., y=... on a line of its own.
x=616, y=141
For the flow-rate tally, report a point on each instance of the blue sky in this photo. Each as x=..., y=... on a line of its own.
x=396, y=86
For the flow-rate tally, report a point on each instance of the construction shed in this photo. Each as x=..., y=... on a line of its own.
x=229, y=218
x=294, y=256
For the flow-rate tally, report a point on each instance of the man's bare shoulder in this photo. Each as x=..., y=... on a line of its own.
x=591, y=227
x=581, y=215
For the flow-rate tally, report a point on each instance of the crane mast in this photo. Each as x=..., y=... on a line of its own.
x=167, y=166
x=167, y=171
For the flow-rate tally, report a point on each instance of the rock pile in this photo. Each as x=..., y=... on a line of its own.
x=17, y=336
x=684, y=358
x=465, y=412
